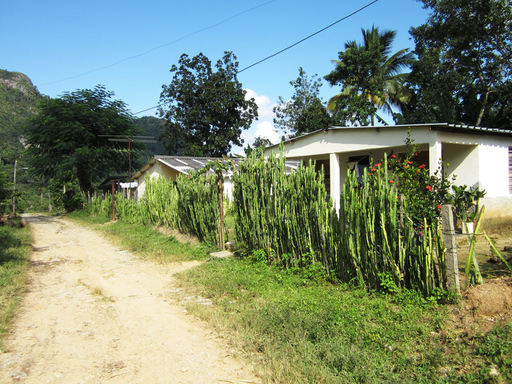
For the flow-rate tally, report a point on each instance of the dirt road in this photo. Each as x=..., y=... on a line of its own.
x=97, y=314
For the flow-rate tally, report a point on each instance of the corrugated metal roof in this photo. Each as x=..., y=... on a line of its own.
x=459, y=128
x=186, y=164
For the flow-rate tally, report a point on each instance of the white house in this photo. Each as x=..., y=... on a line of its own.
x=171, y=167
x=479, y=157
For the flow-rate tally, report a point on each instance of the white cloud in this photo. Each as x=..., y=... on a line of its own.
x=265, y=106
x=264, y=126
x=266, y=129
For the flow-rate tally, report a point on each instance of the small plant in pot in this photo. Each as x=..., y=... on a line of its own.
x=465, y=205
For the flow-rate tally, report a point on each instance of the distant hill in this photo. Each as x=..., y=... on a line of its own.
x=151, y=126
x=18, y=98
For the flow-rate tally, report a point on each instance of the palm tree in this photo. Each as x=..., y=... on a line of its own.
x=368, y=71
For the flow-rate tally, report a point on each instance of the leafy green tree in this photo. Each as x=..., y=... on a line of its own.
x=205, y=108
x=371, y=77
x=5, y=186
x=464, y=67
x=67, y=140
x=304, y=112
x=153, y=127
x=259, y=144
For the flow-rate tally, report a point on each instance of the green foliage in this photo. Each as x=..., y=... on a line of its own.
x=304, y=112
x=151, y=126
x=495, y=251
x=66, y=139
x=372, y=237
x=370, y=76
x=424, y=194
x=463, y=73
x=205, y=109
x=190, y=205
x=259, y=144
x=145, y=240
x=465, y=202
x=472, y=271
x=15, y=254
x=283, y=214
x=5, y=186
x=198, y=207
x=308, y=332
x=18, y=98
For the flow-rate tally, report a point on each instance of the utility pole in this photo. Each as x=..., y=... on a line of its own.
x=13, y=199
x=130, y=140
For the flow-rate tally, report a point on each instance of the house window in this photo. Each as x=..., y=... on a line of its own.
x=358, y=165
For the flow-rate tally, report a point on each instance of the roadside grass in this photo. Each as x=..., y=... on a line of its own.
x=302, y=329
x=298, y=327
x=15, y=253
x=144, y=240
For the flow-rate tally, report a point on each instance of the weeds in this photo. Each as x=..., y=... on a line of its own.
x=304, y=330
x=144, y=240
x=14, y=262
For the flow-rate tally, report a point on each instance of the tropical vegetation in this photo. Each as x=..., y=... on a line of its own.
x=371, y=77
x=304, y=112
x=463, y=72
x=69, y=141
x=205, y=108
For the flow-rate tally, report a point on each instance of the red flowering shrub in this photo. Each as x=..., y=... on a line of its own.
x=423, y=194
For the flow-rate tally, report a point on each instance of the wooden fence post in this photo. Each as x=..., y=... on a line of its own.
x=452, y=262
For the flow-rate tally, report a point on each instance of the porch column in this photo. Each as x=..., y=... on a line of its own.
x=335, y=171
x=435, y=156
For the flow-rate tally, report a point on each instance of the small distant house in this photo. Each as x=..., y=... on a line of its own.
x=171, y=167
x=479, y=157
x=115, y=182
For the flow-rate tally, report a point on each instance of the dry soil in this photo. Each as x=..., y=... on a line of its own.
x=95, y=313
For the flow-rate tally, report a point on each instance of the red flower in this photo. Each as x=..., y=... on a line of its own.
x=391, y=181
x=422, y=166
x=409, y=162
x=393, y=156
x=429, y=188
x=439, y=206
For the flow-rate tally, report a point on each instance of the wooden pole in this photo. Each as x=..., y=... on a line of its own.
x=113, y=202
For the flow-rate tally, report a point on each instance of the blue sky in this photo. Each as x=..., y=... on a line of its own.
x=129, y=46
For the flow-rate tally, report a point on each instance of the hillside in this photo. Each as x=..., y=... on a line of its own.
x=18, y=98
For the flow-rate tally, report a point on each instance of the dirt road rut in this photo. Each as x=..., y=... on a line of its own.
x=97, y=314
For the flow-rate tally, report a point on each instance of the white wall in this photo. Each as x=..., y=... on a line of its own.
x=494, y=170
x=463, y=162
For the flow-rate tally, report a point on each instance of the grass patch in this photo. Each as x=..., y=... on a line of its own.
x=144, y=240
x=15, y=253
x=310, y=331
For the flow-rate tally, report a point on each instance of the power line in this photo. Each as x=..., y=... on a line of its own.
x=304, y=39
x=162, y=46
x=291, y=46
